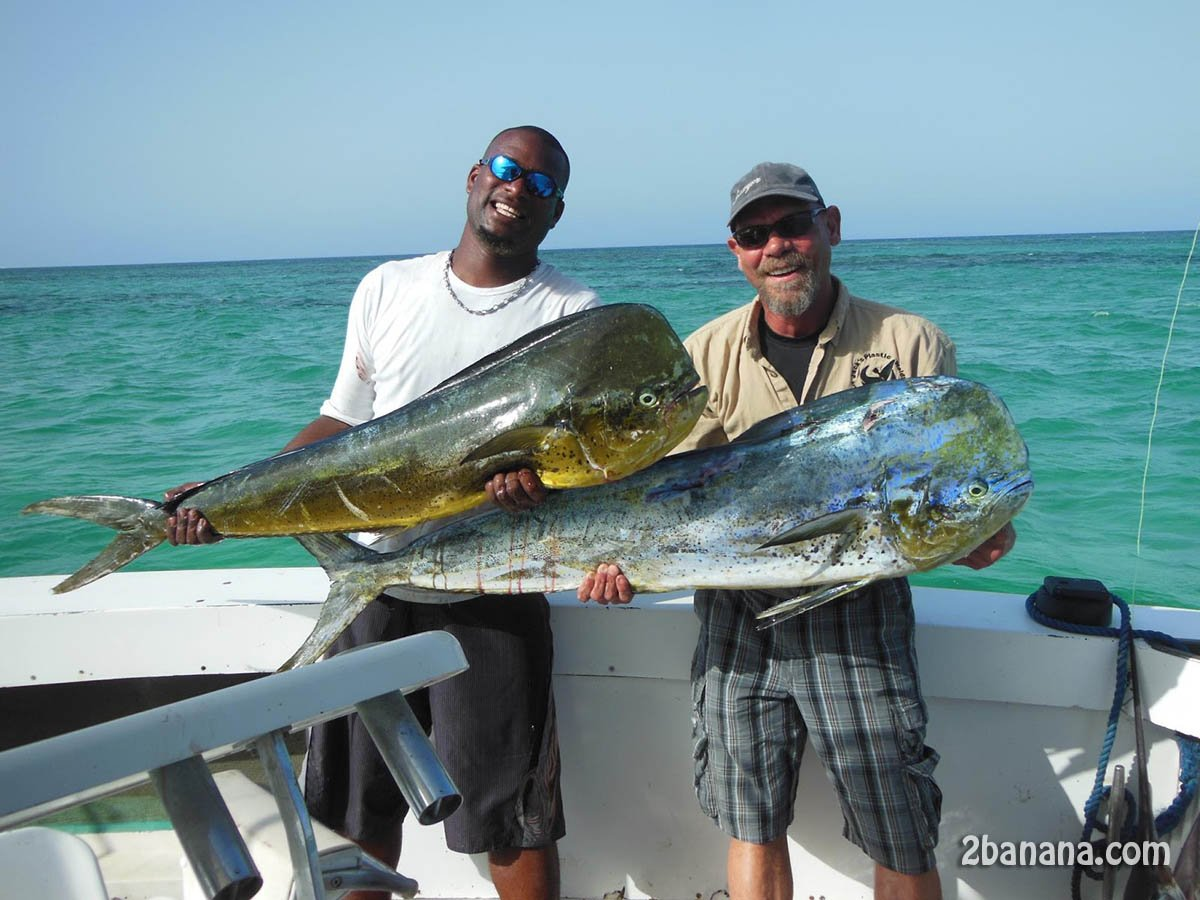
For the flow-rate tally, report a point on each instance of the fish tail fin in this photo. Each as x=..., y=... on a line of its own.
x=141, y=525
x=346, y=600
x=351, y=588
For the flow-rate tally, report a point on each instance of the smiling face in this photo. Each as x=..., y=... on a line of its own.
x=791, y=275
x=505, y=216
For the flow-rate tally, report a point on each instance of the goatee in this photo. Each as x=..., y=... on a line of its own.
x=500, y=246
x=793, y=300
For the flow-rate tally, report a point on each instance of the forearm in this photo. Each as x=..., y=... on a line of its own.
x=317, y=430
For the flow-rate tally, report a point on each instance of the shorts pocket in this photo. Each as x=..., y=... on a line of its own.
x=700, y=748
x=919, y=761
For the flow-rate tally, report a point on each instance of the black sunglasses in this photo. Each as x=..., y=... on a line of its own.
x=798, y=224
x=539, y=183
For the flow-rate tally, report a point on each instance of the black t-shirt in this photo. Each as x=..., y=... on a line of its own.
x=789, y=356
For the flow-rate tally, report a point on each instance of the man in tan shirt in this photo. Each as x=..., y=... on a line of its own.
x=844, y=674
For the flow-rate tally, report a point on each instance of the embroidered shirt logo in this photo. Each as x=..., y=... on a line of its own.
x=872, y=367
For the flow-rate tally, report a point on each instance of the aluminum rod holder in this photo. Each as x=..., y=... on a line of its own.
x=206, y=830
x=410, y=757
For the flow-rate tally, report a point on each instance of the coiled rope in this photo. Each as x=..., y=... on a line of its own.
x=1189, y=748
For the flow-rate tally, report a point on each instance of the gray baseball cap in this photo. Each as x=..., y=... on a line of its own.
x=770, y=179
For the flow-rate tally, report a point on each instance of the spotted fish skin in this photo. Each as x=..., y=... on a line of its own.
x=875, y=482
x=589, y=398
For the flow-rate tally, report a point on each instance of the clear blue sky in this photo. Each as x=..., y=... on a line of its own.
x=165, y=131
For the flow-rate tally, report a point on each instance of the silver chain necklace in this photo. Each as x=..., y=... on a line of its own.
x=520, y=289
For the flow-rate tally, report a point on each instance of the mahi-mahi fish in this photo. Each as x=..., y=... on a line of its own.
x=875, y=482
x=589, y=398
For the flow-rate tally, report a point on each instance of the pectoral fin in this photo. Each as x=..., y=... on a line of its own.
x=520, y=440
x=843, y=522
x=781, y=612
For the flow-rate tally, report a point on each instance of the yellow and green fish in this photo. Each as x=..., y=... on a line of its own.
x=589, y=398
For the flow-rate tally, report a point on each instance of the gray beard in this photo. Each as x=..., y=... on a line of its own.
x=794, y=302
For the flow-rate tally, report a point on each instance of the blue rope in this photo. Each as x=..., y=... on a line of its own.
x=1189, y=748
x=1189, y=780
x=1145, y=634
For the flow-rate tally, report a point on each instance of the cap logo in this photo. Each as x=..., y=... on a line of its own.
x=745, y=187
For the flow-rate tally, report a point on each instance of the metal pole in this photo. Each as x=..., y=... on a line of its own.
x=410, y=757
x=206, y=830
x=302, y=845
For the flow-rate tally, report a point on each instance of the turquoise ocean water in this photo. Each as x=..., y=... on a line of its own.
x=132, y=379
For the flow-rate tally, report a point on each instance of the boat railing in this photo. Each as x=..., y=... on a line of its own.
x=171, y=747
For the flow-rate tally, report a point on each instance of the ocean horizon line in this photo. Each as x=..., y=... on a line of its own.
x=410, y=255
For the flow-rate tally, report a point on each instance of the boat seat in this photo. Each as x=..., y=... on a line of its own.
x=50, y=865
x=345, y=866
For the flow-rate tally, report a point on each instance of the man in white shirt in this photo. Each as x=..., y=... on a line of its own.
x=413, y=323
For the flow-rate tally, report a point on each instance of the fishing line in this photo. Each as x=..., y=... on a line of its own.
x=1154, y=415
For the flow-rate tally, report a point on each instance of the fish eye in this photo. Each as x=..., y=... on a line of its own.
x=977, y=489
x=647, y=399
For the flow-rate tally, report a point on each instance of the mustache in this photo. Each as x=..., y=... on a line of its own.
x=787, y=264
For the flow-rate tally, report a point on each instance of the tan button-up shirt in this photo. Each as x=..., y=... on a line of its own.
x=862, y=342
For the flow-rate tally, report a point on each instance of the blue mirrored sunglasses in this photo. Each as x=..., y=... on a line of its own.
x=539, y=183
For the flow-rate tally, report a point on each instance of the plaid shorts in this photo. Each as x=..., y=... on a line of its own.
x=843, y=675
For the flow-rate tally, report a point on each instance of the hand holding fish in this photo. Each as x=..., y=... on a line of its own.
x=516, y=491
x=188, y=526
x=607, y=584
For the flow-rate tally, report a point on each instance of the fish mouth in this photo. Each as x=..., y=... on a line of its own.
x=688, y=390
x=1023, y=486
x=1016, y=493
x=686, y=398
